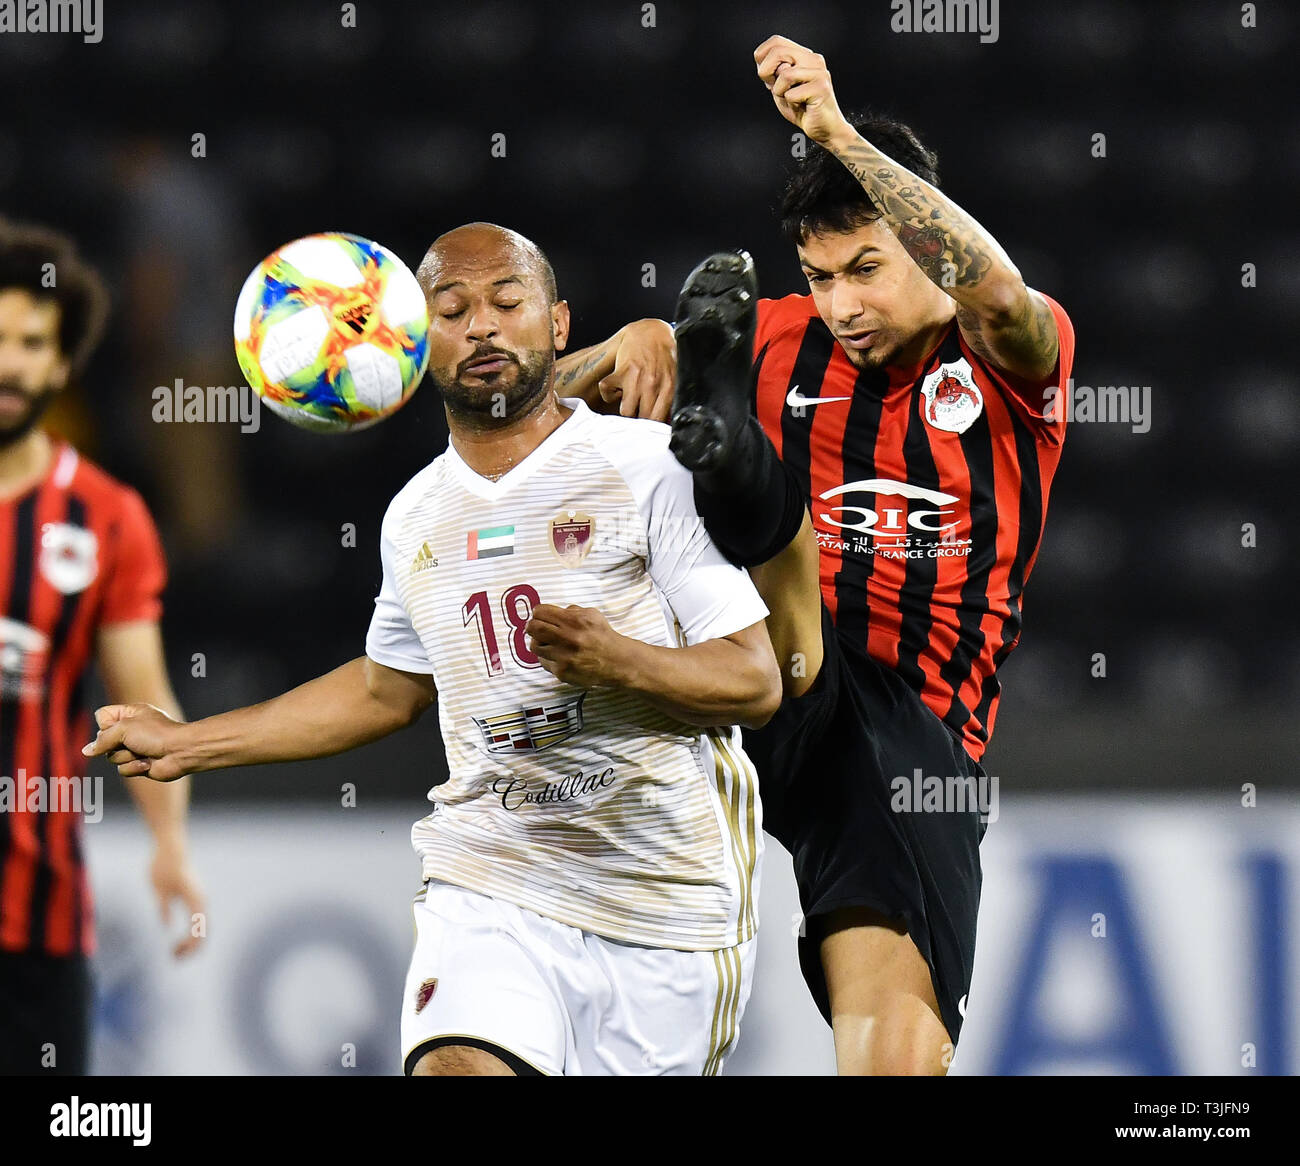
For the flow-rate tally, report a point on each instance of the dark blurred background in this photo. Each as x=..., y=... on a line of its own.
x=626, y=146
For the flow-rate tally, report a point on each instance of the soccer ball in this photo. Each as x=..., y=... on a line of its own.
x=332, y=332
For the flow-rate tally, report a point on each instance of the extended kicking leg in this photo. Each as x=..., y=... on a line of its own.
x=752, y=507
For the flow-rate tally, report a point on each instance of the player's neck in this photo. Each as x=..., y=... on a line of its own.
x=25, y=462
x=925, y=340
x=492, y=453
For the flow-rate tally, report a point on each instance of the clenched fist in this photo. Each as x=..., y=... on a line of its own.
x=800, y=85
x=576, y=645
x=141, y=740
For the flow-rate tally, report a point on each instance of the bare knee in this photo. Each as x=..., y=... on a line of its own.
x=884, y=1013
x=460, y=1061
x=897, y=1035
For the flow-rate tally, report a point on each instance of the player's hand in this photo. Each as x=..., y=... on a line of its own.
x=575, y=644
x=645, y=367
x=173, y=878
x=141, y=740
x=800, y=85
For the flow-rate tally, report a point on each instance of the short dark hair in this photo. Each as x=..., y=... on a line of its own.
x=820, y=193
x=29, y=256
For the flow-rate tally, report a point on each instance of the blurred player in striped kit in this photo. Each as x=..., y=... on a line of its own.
x=592, y=863
x=81, y=576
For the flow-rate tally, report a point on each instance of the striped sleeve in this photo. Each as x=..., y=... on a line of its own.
x=709, y=597
x=391, y=639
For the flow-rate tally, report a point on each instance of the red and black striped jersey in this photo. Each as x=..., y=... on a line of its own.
x=928, y=490
x=78, y=551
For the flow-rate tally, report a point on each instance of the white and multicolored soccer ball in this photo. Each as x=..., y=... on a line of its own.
x=332, y=332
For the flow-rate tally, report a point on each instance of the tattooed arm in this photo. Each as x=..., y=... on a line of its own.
x=630, y=373
x=1004, y=321
x=577, y=373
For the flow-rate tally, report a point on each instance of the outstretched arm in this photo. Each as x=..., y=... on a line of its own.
x=353, y=705
x=1004, y=321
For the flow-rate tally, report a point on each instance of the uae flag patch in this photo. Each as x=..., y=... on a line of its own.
x=490, y=543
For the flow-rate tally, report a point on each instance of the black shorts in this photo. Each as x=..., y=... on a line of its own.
x=837, y=772
x=44, y=1014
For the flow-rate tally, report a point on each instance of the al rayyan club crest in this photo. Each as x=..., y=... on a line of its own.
x=952, y=398
x=69, y=556
x=571, y=536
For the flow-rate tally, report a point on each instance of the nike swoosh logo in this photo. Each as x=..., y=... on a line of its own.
x=794, y=399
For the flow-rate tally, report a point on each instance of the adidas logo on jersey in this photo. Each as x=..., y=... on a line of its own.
x=423, y=560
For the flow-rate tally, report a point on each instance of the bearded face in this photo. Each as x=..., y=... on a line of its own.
x=33, y=369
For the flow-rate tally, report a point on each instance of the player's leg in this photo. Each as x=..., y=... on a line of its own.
x=461, y=1061
x=890, y=891
x=641, y=1011
x=44, y=1015
x=750, y=504
x=884, y=1013
x=479, y=998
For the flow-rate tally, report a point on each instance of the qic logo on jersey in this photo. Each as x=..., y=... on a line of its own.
x=22, y=660
x=928, y=531
x=952, y=398
x=69, y=556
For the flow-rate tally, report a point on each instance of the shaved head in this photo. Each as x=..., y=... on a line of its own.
x=476, y=245
x=495, y=324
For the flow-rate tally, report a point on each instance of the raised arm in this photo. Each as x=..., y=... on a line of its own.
x=353, y=705
x=1004, y=321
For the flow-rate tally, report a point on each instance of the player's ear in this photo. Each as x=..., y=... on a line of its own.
x=560, y=324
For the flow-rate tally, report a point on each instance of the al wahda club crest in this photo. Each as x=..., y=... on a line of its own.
x=571, y=536
x=952, y=398
x=424, y=993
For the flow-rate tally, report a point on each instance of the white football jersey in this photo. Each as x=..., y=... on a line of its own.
x=588, y=806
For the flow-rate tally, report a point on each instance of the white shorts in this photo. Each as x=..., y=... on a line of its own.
x=552, y=999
